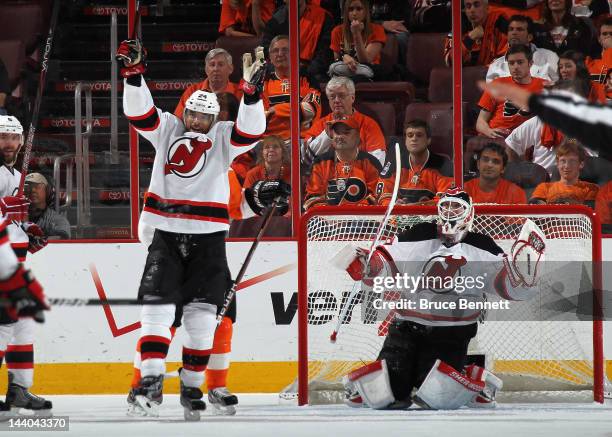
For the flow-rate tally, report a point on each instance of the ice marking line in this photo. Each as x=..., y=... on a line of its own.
x=110, y=318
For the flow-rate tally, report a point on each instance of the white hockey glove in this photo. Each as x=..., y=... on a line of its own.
x=527, y=252
x=253, y=75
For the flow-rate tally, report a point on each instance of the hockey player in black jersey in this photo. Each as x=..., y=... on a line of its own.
x=426, y=348
x=187, y=205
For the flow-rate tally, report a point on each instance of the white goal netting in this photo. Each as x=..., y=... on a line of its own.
x=542, y=347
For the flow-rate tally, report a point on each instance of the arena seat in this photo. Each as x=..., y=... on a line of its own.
x=12, y=53
x=237, y=46
x=439, y=116
x=425, y=51
x=383, y=113
x=441, y=80
x=390, y=51
x=22, y=21
x=526, y=175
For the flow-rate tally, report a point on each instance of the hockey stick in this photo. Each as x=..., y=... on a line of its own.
x=232, y=292
x=44, y=67
x=134, y=32
x=83, y=302
x=354, y=291
x=79, y=302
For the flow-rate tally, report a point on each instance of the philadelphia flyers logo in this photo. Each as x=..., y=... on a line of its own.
x=346, y=190
x=186, y=157
x=439, y=271
x=510, y=110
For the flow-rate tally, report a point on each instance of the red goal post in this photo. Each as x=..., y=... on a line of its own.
x=570, y=225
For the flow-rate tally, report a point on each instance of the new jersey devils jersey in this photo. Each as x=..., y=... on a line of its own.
x=9, y=185
x=189, y=189
x=440, y=276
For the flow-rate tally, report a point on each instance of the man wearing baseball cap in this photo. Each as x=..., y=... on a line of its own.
x=345, y=174
x=41, y=194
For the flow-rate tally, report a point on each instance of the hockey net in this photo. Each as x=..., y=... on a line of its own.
x=527, y=353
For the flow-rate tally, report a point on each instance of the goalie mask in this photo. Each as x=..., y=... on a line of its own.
x=11, y=138
x=455, y=216
x=201, y=111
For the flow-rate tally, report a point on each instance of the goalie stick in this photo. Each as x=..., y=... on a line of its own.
x=44, y=67
x=354, y=291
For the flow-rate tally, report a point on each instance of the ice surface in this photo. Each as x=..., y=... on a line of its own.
x=261, y=415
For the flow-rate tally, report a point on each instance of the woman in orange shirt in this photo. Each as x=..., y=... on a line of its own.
x=272, y=162
x=357, y=43
x=572, y=67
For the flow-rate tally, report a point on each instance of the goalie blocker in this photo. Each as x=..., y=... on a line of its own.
x=419, y=338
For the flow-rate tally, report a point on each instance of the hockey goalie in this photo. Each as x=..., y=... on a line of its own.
x=423, y=358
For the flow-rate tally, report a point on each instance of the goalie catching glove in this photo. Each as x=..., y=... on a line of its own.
x=133, y=55
x=527, y=252
x=253, y=76
x=264, y=193
x=25, y=295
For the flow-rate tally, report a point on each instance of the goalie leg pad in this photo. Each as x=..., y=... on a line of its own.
x=372, y=383
x=486, y=398
x=445, y=388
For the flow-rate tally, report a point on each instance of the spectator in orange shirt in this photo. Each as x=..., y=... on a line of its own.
x=572, y=67
x=277, y=92
x=569, y=189
x=346, y=174
x=245, y=17
x=340, y=92
x=357, y=43
x=490, y=186
x=608, y=86
x=272, y=162
x=599, y=67
x=424, y=174
x=315, y=26
x=496, y=119
x=603, y=205
x=487, y=38
x=218, y=67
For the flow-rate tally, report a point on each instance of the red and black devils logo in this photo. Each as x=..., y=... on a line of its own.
x=186, y=157
x=439, y=272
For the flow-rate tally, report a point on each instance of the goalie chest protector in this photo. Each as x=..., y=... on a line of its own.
x=441, y=274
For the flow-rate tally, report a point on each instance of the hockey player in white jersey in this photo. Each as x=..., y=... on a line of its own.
x=17, y=343
x=426, y=346
x=187, y=204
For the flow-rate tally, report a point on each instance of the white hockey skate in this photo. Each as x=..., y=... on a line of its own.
x=148, y=396
x=191, y=400
x=18, y=398
x=222, y=401
x=134, y=409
